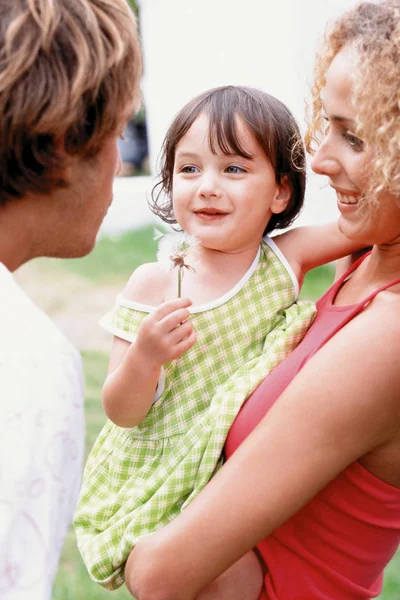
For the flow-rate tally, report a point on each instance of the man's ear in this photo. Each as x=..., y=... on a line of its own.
x=282, y=197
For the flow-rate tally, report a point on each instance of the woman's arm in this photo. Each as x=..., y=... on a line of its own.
x=343, y=404
x=134, y=370
x=308, y=247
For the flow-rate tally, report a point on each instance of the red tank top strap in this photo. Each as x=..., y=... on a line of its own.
x=330, y=294
x=381, y=289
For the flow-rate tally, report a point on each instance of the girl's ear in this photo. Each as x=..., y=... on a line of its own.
x=282, y=197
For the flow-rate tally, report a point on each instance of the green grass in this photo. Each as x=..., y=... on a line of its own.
x=114, y=260
x=391, y=588
x=317, y=281
x=95, y=364
x=72, y=581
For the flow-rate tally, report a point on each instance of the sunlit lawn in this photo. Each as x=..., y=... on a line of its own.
x=114, y=259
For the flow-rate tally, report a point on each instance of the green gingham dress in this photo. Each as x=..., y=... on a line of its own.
x=138, y=479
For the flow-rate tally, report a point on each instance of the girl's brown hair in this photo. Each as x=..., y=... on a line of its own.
x=273, y=126
x=69, y=76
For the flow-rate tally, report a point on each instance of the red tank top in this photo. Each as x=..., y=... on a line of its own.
x=335, y=547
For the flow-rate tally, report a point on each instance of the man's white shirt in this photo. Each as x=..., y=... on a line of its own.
x=41, y=443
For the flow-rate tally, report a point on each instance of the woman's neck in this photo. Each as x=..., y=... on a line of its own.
x=383, y=263
x=381, y=267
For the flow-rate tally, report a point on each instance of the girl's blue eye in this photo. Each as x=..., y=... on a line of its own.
x=234, y=169
x=353, y=141
x=189, y=169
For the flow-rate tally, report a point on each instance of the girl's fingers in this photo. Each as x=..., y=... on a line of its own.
x=180, y=333
x=186, y=344
x=174, y=320
x=171, y=306
x=168, y=332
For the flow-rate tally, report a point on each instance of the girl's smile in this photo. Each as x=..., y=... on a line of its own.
x=210, y=214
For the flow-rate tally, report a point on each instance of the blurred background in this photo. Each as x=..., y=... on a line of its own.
x=189, y=46
x=192, y=45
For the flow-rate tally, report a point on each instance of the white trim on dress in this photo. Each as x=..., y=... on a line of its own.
x=148, y=308
x=270, y=242
x=125, y=335
x=201, y=307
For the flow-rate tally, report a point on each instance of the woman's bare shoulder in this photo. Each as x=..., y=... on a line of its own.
x=359, y=369
x=380, y=321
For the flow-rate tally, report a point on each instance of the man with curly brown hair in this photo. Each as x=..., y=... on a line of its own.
x=69, y=83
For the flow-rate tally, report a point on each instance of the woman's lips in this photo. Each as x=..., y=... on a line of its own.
x=347, y=198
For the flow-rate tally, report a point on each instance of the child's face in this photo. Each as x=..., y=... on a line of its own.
x=225, y=201
x=346, y=160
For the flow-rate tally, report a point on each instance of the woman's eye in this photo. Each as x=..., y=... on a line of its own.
x=234, y=169
x=189, y=169
x=326, y=124
x=353, y=141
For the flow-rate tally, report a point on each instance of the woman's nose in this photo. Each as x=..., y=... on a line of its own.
x=324, y=161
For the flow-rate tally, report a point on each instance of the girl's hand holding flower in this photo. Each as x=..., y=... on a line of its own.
x=166, y=333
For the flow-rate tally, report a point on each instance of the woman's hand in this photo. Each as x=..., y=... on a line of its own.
x=244, y=579
x=146, y=577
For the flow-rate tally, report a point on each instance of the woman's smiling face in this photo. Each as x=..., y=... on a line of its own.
x=346, y=160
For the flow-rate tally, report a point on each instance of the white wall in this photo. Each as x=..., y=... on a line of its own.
x=192, y=45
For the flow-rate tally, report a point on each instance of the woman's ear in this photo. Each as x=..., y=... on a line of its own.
x=282, y=197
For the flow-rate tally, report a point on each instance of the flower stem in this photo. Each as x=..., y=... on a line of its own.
x=179, y=282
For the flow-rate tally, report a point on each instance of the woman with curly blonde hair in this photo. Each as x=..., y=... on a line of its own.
x=312, y=479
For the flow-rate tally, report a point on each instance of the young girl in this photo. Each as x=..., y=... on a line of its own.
x=232, y=171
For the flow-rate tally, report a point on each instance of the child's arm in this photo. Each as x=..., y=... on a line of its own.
x=308, y=247
x=134, y=370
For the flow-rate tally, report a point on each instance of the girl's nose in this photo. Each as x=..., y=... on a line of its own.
x=324, y=161
x=209, y=186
